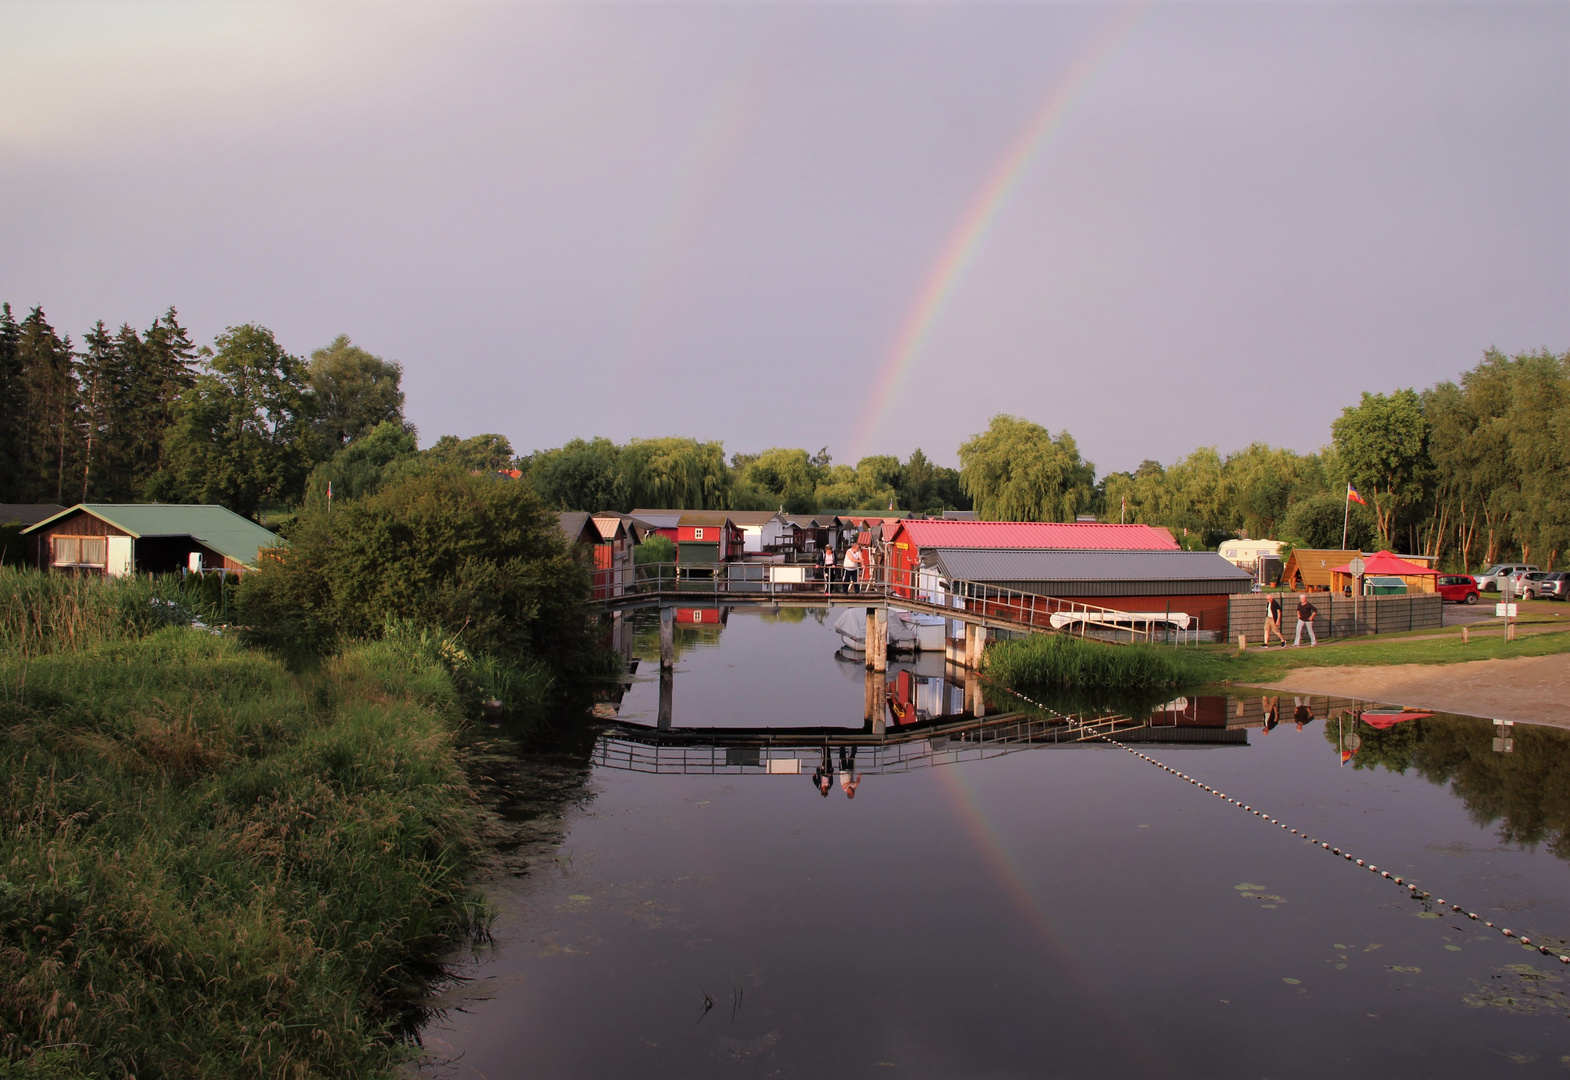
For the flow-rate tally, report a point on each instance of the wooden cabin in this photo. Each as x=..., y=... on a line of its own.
x=118, y=539
x=1313, y=569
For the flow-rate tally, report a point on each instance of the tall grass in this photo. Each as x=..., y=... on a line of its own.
x=210, y=866
x=43, y=613
x=1048, y=663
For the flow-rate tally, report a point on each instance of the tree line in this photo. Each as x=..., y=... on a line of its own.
x=1471, y=471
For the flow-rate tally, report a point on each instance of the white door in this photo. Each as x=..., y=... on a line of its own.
x=117, y=562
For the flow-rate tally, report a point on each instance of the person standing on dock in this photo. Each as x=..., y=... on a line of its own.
x=852, y=566
x=1273, y=620
x=1305, y=618
x=828, y=567
x=850, y=780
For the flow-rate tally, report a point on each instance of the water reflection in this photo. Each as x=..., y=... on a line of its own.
x=1517, y=782
x=1009, y=896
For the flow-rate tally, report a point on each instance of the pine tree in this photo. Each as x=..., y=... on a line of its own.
x=49, y=405
x=13, y=399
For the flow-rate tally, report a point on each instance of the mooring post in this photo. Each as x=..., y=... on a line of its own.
x=667, y=638
x=975, y=700
x=975, y=642
x=880, y=658
x=667, y=691
x=877, y=690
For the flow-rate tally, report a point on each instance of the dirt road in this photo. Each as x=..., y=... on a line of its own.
x=1533, y=689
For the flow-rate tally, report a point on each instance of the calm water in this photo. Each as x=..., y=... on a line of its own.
x=984, y=908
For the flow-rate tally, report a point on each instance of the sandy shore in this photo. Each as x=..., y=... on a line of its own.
x=1533, y=689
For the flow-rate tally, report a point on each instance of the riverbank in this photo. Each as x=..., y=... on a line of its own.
x=214, y=866
x=1226, y=666
x=1531, y=689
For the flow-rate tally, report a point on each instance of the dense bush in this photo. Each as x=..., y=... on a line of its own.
x=475, y=559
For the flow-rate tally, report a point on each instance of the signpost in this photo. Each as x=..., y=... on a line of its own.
x=1357, y=565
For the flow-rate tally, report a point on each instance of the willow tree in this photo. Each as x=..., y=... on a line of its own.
x=682, y=474
x=1017, y=471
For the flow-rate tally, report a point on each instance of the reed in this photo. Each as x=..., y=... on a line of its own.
x=44, y=613
x=210, y=866
x=1059, y=663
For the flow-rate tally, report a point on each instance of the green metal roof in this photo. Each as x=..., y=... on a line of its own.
x=220, y=529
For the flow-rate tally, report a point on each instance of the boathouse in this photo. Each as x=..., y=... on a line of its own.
x=813, y=532
x=609, y=539
x=910, y=540
x=763, y=531
x=1193, y=583
x=118, y=539
x=707, y=536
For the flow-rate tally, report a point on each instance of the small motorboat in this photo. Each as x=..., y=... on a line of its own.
x=908, y=631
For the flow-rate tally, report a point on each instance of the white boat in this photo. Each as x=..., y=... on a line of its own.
x=1177, y=619
x=908, y=631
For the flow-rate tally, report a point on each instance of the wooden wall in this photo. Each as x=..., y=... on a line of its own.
x=1375, y=614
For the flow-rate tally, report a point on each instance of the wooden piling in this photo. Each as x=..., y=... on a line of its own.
x=667, y=638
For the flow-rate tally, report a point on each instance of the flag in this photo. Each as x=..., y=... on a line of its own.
x=1353, y=496
x=329, y=491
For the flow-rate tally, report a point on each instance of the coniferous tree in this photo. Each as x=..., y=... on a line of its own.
x=12, y=406
x=48, y=402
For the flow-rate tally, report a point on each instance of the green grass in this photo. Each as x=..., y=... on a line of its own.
x=1221, y=665
x=210, y=866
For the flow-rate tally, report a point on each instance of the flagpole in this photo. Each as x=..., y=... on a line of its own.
x=1346, y=513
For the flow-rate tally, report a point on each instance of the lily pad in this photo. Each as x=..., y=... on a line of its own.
x=1248, y=887
x=1453, y=948
x=1293, y=982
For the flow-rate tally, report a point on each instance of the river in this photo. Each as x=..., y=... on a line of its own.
x=996, y=906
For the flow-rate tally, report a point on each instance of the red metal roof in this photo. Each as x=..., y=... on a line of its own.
x=1065, y=535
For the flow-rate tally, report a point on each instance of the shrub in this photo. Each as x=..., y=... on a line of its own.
x=477, y=561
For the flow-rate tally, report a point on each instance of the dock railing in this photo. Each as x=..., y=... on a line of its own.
x=914, y=590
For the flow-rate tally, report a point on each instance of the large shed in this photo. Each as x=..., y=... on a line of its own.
x=1195, y=583
x=1313, y=569
x=910, y=539
x=116, y=539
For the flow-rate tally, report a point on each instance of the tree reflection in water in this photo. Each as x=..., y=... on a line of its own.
x=1525, y=793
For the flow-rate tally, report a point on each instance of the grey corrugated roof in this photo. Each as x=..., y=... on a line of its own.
x=1094, y=573
x=573, y=525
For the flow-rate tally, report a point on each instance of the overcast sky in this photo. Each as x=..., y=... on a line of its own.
x=721, y=220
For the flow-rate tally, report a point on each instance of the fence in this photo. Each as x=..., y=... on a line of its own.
x=1339, y=616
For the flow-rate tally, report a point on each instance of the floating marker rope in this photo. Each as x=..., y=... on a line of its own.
x=1412, y=890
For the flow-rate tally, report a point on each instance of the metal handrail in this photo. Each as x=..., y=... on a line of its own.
x=990, y=604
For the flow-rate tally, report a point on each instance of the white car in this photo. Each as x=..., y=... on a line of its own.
x=1492, y=579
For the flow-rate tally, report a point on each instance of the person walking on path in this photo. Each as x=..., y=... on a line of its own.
x=1305, y=618
x=1273, y=620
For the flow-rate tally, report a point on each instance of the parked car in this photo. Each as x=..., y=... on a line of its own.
x=1458, y=588
x=1554, y=586
x=1491, y=579
x=1523, y=583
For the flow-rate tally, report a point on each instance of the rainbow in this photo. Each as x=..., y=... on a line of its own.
x=982, y=213
x=1005, y=868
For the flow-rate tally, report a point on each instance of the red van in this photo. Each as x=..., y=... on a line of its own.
x=1458, y=588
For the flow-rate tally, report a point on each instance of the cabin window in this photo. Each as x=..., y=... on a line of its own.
x=697, y=534
x=80, y=550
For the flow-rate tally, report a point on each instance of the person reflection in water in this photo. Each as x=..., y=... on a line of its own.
x=1271, y=708
x=850, y=780
x=823, y=775
x=1301, y=712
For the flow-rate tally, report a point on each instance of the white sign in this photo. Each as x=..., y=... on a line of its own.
x=1504, y=611
x=1356, y=565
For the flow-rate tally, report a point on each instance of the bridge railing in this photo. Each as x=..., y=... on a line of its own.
x=916, y=589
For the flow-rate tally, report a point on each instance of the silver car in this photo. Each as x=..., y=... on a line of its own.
x=1493, y=579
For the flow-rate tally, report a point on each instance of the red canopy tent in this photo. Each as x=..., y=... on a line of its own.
x=1384, y=564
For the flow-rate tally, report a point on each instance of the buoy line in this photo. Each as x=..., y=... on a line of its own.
x=1412, y=890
